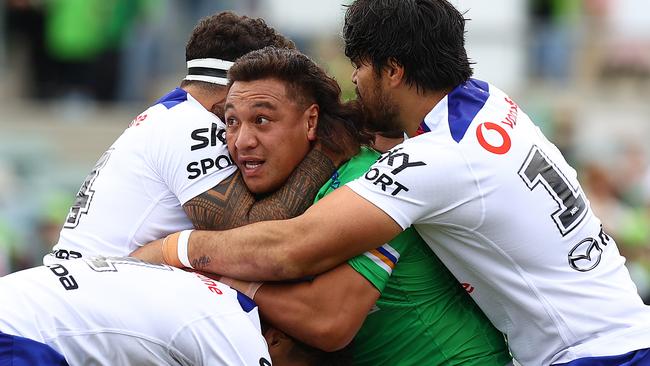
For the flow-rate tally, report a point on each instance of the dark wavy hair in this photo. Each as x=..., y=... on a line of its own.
x=426, y=37
x=306, y=83
x=228, y=36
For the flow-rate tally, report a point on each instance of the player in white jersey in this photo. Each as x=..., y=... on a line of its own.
x=170, y=168
x=121, y=311
x=100, y=310
x=490, y=195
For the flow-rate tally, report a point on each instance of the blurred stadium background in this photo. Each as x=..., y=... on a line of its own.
x=74, y=73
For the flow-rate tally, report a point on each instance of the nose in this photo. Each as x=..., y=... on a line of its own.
x=354, y=76
x=245, y=137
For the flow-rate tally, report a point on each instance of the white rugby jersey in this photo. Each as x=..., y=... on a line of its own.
x=497, y=202
x=120, y=311
x=170, y=153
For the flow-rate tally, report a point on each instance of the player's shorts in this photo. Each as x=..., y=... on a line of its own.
x=635, y=358
x=19, y=351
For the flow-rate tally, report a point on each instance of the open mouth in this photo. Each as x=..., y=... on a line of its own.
x=250, y=166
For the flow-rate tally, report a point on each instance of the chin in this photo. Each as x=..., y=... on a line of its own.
x=256, y=189
x=253, y=186
x=261, y=187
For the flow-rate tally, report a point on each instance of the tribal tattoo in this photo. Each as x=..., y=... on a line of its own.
x=229, y=204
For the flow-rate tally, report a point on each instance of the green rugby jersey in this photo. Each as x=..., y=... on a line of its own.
x=424, y=316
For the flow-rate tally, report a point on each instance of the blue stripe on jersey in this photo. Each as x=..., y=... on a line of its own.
x=174, y=98
x=637, y=358
x=463, y=104
x=19, y=351
x=247, y=304
x=387, y=254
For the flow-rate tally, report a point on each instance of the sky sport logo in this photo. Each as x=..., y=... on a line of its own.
x=208, y=137
x=397, y=160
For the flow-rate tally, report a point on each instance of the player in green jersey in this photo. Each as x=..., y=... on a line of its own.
x=409, y=308
x=402, y=304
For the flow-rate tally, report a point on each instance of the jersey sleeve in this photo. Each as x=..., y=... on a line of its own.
x=220, y=339
x=415, y=182
x=190, y=153
x=375, y=265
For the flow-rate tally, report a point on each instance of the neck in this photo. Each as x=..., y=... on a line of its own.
x=414, y=106
x=207, y=98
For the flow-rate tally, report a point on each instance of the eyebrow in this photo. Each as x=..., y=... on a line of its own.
x=266, y=105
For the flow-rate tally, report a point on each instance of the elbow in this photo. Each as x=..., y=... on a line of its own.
x=283, y=264
x=334, y=340
x=296, y=252
x=333, y=336
x=295, y=264
x=299, y=261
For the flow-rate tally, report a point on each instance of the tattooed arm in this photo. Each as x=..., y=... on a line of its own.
x=229, y=204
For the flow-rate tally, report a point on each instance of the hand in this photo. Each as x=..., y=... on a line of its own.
x=151, y=252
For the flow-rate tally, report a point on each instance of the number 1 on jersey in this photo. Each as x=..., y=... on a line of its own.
x=539, y=169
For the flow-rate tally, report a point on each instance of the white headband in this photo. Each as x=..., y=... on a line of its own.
x=210, y=70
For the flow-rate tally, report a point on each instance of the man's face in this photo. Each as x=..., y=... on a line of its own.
x=378, y=106
x=268, y=134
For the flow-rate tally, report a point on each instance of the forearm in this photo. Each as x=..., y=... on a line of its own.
x=325, y=313
x=260, y=254
x=290, y=309
x=218, y=252
x=230, y=204
x=336, y=228
x=150, y=253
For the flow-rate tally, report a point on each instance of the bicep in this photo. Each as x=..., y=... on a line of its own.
x=326, y=312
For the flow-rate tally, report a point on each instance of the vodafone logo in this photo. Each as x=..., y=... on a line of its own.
x=493, y=137
x=137, y=120
x=494, y=145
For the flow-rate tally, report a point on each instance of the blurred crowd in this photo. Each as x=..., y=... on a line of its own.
x=585, y=81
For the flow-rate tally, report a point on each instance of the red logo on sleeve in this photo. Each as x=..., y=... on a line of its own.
x=210, y=283
x=137, y=120
x=505, y=143
x=495, y=149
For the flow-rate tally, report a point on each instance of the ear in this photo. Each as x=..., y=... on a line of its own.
x=312, y=121
x=394, y=72
x=219, y=99
x=272, y=337
x=218, y=110
x=279, y=345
